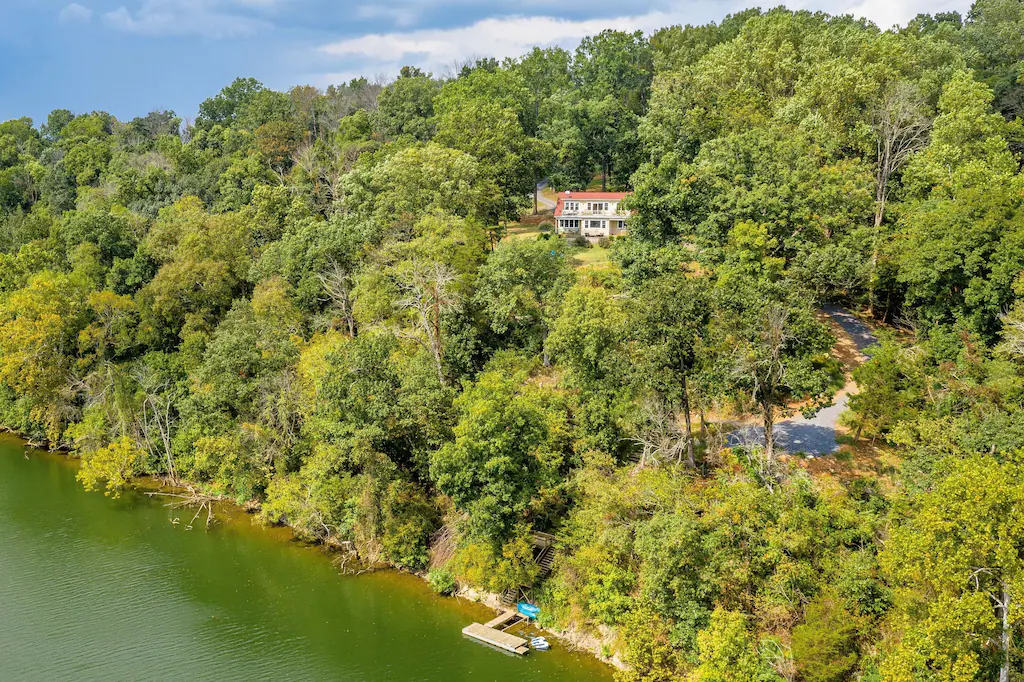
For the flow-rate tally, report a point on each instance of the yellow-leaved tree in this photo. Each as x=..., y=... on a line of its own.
x=116, y=465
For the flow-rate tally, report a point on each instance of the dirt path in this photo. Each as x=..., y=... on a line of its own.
x=817, y=436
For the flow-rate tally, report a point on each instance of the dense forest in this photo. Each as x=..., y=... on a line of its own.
x=320, y=304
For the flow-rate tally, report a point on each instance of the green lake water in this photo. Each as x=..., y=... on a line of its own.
x=98, y=589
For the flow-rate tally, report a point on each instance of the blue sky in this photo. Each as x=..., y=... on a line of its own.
x=129, y=57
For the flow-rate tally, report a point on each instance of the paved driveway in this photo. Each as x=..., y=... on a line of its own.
x=542, y=200
x=858, y=332
x=815, y=436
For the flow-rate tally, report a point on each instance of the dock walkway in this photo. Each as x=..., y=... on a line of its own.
x=504, y=621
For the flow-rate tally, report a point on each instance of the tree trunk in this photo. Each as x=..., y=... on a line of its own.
x=1004, y=670
x=901, y=129
x=436, y=345
x=350, y=318
x=604, y=176
x=536, y=191
x=873, y=277
x=768, y=415
x=544, y=346
x=165, y=436
x=689, y=429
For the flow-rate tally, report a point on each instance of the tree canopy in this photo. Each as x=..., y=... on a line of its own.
x=335, y=307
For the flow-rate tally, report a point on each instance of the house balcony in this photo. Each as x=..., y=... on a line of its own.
x=595, y=214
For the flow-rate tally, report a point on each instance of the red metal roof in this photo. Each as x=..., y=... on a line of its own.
x=593, y=195
x=587, y=196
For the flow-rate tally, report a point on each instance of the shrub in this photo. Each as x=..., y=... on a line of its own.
x=497, y=569
x=580, y=240
x=116, y=464
x=546, y=226
x=408, y=520
x=604, y=242
x=442, y=581
x=825, y=645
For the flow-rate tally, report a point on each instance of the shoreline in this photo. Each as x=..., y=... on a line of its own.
x=229, y=512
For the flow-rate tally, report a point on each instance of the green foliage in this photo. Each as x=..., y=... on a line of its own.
x=893, y=390
x=226, y=106
x=115, y=464
x=962, y=240
x=409, y=520
x=771, y=350
x=518, y=288
x=953, y=558
x=648, y=650
x=617, y=65
x=587, y=337
x=39, y=327
x=312, y=301
x=442, y=581
x=421, y=179
x=112, y=232
x=405, y=108
x=728, y=652
x=825, y=645
x=497, y=567
x=317, y=502
x=510, y=447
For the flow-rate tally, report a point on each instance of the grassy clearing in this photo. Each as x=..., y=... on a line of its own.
x=521, y=231
x=593, y=256
x=528, y=226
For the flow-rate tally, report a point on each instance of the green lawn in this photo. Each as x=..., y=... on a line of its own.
x=520, y=231
x=593, y=256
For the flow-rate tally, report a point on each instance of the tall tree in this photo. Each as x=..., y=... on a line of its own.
x=773, y=351
x=519, y=288
x=956, y=562
x=405, y=108
x=671, y=314
x=901, y=128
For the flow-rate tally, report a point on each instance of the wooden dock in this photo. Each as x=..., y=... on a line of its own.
x=504, y=621
x=497, y=638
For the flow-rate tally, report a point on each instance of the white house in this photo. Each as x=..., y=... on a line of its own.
x=591, y=214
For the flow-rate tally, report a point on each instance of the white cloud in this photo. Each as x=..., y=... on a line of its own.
x=400, y=16
x=208, y=18
x=75, y=14
x=888, y=13
x=499, y=37
x=510, y=36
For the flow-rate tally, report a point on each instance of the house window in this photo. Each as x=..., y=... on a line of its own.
x=572, y=206
x=597, y=206
x=570, y=225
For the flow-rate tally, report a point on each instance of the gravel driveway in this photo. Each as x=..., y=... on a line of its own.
x=815, y=436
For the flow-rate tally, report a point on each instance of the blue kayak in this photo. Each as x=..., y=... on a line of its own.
x=528, y=610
